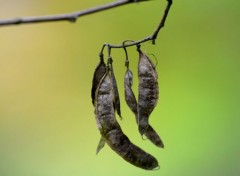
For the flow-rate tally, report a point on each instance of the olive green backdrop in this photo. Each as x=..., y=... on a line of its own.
x=47, y=122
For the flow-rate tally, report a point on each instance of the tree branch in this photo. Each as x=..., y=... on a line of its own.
x=71, y=17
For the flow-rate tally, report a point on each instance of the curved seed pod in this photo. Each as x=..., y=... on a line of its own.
x=111, y=131
x=147, y=91
x=98, y=74
x=131, y=101
x=129, y=95
x=116, y=94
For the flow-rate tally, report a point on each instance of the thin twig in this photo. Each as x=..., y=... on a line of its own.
x=71, y=17
x=161, y=24
x=152, y=37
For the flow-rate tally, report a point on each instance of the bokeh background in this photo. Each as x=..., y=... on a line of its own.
x=47, y=122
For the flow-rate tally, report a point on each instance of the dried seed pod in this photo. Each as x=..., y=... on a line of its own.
x=116, y=104
x=115, y=89
x=131, y=101
x=111, y=131
x=147, y=91
x=129, y=95
x=98, y=74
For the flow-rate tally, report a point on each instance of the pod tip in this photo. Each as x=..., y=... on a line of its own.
x=160, y=145
x=156, y=168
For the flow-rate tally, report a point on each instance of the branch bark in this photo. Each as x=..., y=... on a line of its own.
x=71, y=17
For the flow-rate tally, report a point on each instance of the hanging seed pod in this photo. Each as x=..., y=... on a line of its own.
x=131, y=101
x=98, y=74
x=129, y=95
x=111, y=131
x=115, y=89
x=116, y=101
x=147, y=90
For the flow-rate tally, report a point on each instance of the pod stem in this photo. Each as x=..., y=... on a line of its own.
x=125, y=50
x=138, y=47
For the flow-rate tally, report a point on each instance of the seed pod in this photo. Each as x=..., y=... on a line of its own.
x=98, y=74
x=132, y=104
x=116, y=101
x=111, y=131
x=116, y=104
x=129, y=95
x=147, y=91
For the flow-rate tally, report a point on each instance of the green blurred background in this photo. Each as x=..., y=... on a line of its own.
x=47, y=122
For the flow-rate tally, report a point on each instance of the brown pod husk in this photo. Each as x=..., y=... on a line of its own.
x=111, y=131
x=131, y=101
x=129, y=95
x=116, y=101
x=98, y=74
x=147, y=91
